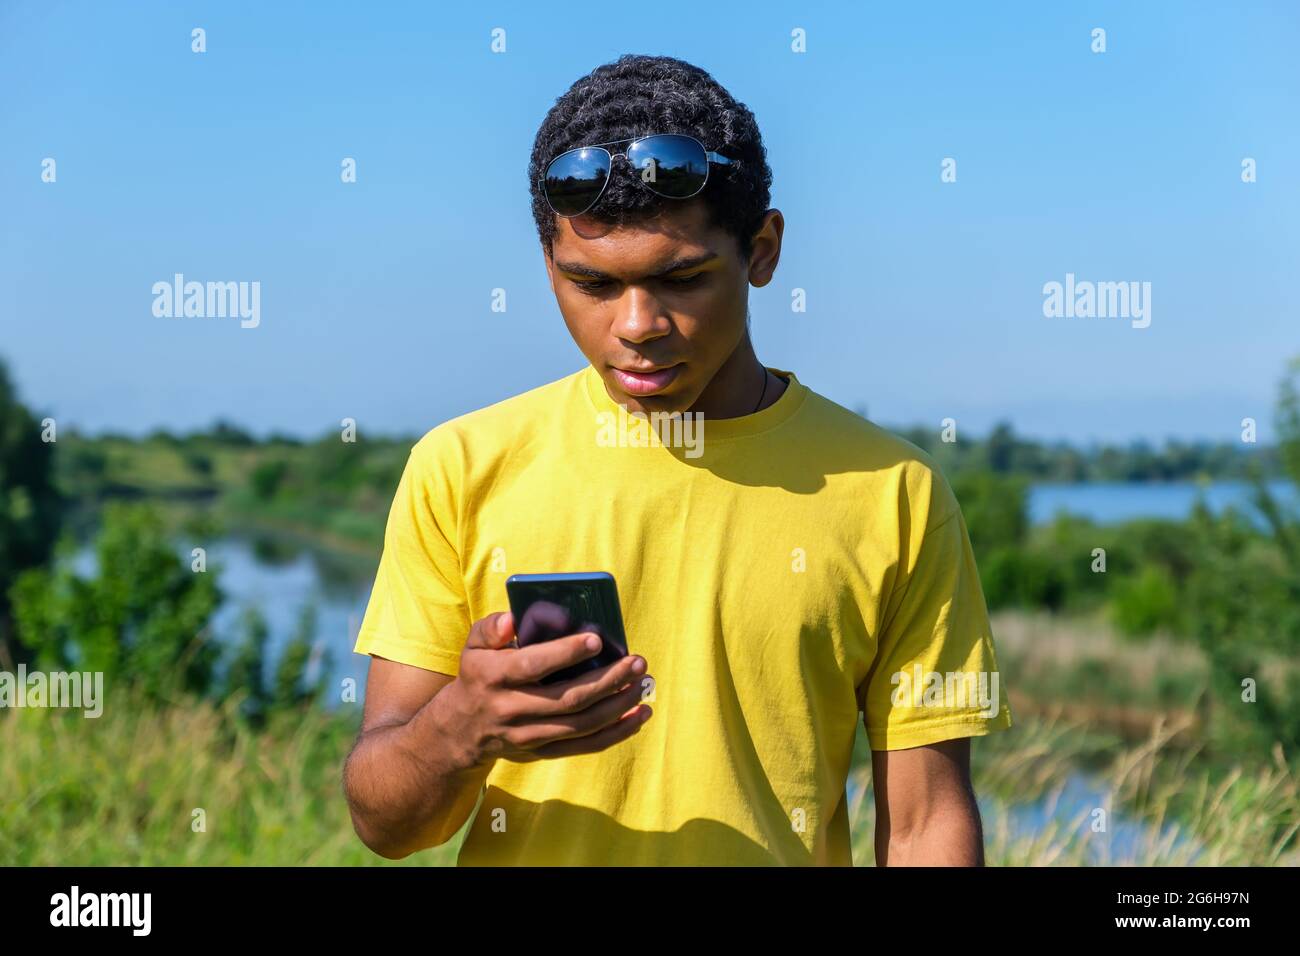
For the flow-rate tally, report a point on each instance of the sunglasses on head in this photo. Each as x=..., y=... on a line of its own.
x=671, y=164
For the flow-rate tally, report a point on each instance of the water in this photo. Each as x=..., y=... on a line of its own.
x=1073, y=809
x=1123, y=842
x=1112, y=502
x=280, y=580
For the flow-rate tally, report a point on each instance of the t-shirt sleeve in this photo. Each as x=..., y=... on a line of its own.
x=935, y=676
x=418, y=613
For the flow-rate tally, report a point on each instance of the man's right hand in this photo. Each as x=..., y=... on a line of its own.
x=497, y=710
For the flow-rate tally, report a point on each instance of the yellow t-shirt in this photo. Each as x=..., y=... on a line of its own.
x=777, y=571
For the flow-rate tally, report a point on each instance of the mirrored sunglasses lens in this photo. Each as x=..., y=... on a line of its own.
x=673, y=166
x=575, y=179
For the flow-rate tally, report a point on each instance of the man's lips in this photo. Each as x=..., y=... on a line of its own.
x=646, y=383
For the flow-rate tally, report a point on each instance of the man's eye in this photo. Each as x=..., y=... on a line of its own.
x=684, y=280
x=592, y=285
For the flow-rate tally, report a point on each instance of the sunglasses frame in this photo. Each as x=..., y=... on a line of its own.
x=709, y=155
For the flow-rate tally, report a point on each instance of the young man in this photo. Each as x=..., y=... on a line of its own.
x=783, y=564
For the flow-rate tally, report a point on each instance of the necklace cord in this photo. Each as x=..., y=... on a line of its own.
x=763, y=394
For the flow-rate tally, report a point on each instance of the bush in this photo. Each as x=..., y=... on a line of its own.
x=1243, y=598
x=267, y=478
x=994, y=508
x=1017, y=577
x=30, y=506
x=144, y=618
x=199, y=463
x=1145, y=603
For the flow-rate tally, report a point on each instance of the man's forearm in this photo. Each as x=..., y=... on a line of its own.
x=951, y=835
x=413, y=785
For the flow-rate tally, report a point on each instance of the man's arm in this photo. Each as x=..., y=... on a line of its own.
x=428, y=741
x=926, y=813
x=407, y=784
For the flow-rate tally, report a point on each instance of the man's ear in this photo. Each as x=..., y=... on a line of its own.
x=767, y=248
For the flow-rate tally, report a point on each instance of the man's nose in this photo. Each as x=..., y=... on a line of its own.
x=640, y=317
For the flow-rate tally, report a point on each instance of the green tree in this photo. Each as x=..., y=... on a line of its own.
x=142, y=617
x=290, y=689
x=1244, y=597
x=247, y=672
x=226, y=433
x=1144, y=602
x=267, y=478
x=1001, y=448
x=199, y=462
x=996, y=509
x=29, y=505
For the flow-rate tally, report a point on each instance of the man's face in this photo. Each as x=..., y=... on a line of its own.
x=657, y=307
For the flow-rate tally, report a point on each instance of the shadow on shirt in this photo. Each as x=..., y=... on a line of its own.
x=509, y=831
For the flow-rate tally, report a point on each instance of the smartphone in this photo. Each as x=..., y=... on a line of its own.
x=547, y=606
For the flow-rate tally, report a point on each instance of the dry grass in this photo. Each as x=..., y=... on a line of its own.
x=122, y=790
x=1039, y=809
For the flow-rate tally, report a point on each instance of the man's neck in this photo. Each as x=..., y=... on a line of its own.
x=736, y=387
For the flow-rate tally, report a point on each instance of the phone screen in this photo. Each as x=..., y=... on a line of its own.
x=547, y=606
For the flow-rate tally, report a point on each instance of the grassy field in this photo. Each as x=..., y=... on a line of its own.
x=123, y=789
x=1101, y=722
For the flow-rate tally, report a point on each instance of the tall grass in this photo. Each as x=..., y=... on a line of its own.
x=1082, y=659
x=1161, y=806
x=123, y=789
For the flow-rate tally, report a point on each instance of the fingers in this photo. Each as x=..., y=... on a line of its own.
x=592, y=743
x=528, y=665
x=492, y=632
x=606, y=722
x=543, y=730
x=583, y=691
x=542, y=621
x=523, y=666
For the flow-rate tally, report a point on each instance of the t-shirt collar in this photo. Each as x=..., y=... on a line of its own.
x=718, y=429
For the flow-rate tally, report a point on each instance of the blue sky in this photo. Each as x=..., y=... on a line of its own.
x=924, y=298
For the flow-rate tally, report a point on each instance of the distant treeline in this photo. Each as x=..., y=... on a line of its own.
x=1001, y=452
x=1004, y=453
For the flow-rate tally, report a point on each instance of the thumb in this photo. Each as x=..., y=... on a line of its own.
x=492, y=632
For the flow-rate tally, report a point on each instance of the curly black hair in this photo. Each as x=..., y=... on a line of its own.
x=637, y=95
